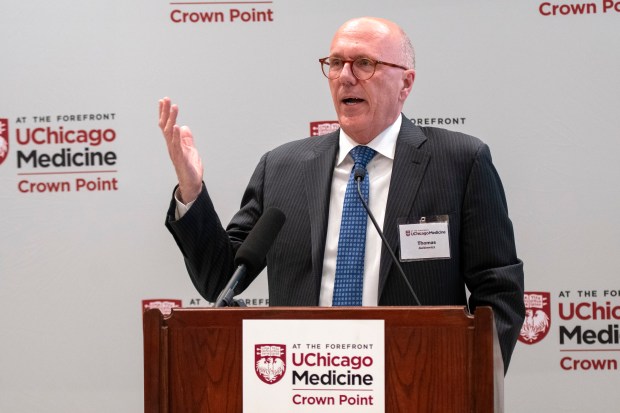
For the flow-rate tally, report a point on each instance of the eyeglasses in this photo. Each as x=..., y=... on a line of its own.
x=362, y=68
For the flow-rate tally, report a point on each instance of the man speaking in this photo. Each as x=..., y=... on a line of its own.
x=435, y=194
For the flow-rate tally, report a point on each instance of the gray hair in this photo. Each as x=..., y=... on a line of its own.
x=407, y=50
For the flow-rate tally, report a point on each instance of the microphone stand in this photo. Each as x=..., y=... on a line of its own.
x=359, y=175
x=226, y=297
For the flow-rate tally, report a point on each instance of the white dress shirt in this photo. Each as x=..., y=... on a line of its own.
x=380, y=172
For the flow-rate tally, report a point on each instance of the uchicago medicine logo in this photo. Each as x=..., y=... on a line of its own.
x=4, y=139
x=537, y=317
x=270, y=362
x=323, y=127
x=62, y=153
x=164, y=305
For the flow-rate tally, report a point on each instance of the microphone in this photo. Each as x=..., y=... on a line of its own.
x=251, y=255
x=359, y=175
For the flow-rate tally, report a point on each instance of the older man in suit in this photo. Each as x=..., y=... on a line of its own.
x=414, y=176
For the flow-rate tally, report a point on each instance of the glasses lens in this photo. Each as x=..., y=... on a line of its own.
x=332, y=67
x=325, y=68
x=363, y=68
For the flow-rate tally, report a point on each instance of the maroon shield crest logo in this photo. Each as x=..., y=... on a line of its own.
x=164, y=305
x=270, y=362
x=322, y=127
x=537, y=317
x=4, y=139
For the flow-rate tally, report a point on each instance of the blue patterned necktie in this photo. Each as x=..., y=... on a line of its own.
x=352, y=242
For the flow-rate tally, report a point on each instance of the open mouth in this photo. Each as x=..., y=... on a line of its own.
x=352, y=101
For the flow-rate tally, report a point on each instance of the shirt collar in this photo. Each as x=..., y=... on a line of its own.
x=384, y=143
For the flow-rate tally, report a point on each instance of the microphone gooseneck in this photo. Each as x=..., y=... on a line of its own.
x=359, y=174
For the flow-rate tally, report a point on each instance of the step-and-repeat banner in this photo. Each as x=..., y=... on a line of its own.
x=85, y=177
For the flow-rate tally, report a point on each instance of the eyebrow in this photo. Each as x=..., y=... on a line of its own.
x=361, y=56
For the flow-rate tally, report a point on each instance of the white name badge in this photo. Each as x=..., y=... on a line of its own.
x=424, y=240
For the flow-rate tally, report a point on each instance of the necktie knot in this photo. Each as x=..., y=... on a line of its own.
x=362, y=155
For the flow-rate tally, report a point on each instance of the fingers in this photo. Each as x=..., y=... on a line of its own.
x=164, y=111
x=175, y=139
x=176, y=136
x=172, y=119
x=167, y=117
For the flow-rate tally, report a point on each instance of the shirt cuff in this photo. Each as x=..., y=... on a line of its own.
x=181, y=208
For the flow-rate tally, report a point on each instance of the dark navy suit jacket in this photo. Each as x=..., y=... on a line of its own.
x=435, y=172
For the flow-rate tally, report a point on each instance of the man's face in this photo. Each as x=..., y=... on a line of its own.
x=365, y=108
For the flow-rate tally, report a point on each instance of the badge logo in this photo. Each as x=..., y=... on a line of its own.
x=164, y=305
x=537, y=317
x=270, y=362
x=323, y=127
x=4, y=139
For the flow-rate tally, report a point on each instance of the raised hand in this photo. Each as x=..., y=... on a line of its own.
x=183, y=153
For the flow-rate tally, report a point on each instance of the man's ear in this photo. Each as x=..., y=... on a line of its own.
x=408, y=78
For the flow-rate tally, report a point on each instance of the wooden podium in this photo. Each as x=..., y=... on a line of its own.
x=437, y=359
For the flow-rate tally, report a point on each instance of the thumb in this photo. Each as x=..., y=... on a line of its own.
x=186, y=135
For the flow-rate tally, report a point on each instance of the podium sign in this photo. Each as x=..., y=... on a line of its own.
x=436, y=359
x=305, y=366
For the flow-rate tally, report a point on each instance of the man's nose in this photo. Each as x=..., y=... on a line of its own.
x=347, y=76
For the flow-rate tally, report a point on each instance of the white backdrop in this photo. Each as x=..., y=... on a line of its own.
x=542, y=90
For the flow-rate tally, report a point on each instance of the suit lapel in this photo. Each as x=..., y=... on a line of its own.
x=318, y=171
x=407, y=172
